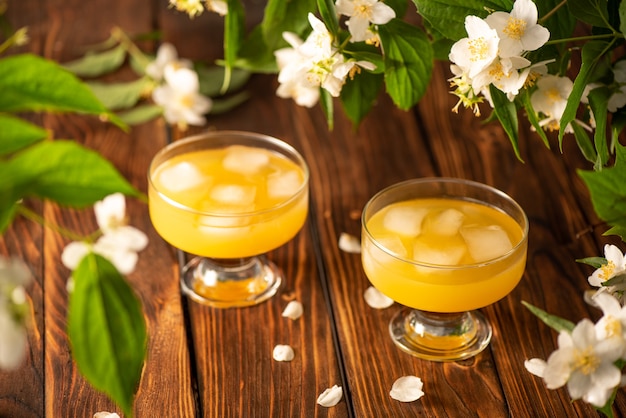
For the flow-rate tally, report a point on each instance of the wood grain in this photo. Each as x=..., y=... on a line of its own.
x=217, y=363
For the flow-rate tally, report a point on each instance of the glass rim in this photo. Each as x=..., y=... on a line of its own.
x=284, y=148
x=449, y=180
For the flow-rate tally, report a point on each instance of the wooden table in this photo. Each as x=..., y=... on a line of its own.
x=206, y=362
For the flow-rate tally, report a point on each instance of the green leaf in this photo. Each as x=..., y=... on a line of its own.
x=18, y=134
x=141, y=114
x=107, y=330
x=556, y=323
x=227, y=103
x=326, y=101
x=398, y=6
x=31, y=83
x=95, y=64
x=7, y=213
x=598, y=99
x=358, y=95
x=608, y=192
x=595, y=262
x=591, y=54
x=560, y=24
x=622, y=18
x=584, y=143
x=618, y=279
x=118, y=96
x=448, y=16
x=212, y=78
x=254, y=55
x=328, y=12
x=233, y=31
x=408, y=62
x=62, y=171
x=285, y=16
x=593, y=12
x=531, y=114
x=506, y=113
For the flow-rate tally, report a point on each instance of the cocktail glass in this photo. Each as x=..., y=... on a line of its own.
x=228, y=197
x=443, y=247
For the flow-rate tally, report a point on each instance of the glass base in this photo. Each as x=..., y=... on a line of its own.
x=440, y=336
x=230, y=283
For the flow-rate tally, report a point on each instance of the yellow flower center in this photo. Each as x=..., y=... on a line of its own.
x=478, y=49
x=553, y=95
x=612, y=327
x=515, y=28
x=364, y=11
x=495, y=71
x=586, y=361
x=607, y=270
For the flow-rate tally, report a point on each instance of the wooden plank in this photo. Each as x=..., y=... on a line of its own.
x=236, y=373
x=558, y=207
x=168, y=389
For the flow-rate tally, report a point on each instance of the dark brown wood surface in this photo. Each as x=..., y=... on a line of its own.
x=205, y=362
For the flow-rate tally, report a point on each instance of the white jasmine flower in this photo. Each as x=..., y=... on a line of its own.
x=283, y=353
x=14, y=275
x=362, y=14
x=110, y=212
x=293, y=310
x=407, y=389
x=330, y=397
x=119, y=243
x=504, y=74
x=375, y=299
x=293, y=66
x=14, y=341
x=585, y=363
x=613, y=321
x=349, y=243
x=307, y=66
x=476, y=52
x=615, y=266
x=518, y=31
x=192, y=7
x=550, y=98
x=166, y=55
x=180, y=97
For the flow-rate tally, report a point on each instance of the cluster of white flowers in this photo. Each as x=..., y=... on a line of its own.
x=178, y=89
x=494, y=53
x=14, y=276
x=589, y=359
x=119, y=242
x=317, y=61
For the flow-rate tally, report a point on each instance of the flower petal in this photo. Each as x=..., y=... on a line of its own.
x=283, y=353
x=407, y=389
x=293, y=310
x=330, y=397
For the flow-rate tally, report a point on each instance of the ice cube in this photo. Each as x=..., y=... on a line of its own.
x=283, y=185
x=181, y=176
x=245, y=160
x=448, y=222
x=233, y=194
x=445, y=255
x=404, y=220
x=393, y=245
x=486, y=243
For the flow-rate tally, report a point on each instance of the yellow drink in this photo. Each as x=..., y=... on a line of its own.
x=442, y=254
x=228, y=202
